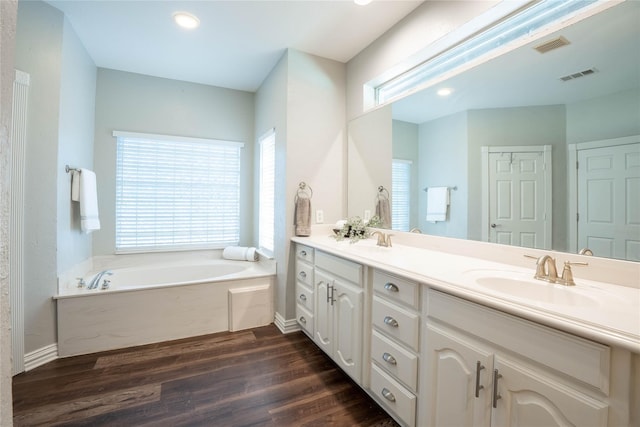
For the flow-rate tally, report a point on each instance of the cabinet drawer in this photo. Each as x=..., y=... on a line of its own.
x=339, y=267
x=400, y=363
x=393, y=396
x=396, y=322
x=304, y=273
x=584, y=360
x=399, y=289
x=304, y=296
x=304, y=252
x=305, y=319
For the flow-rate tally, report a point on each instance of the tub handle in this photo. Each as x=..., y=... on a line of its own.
x=81, y=282
x=106, y=283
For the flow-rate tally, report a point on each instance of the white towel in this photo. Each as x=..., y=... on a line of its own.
x=75, y=186
x=240, y=253
x=88, y=198
x=437, y=202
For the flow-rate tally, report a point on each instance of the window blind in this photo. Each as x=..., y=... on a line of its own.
x=176, y=193
x=400, y=190
x=266, y=209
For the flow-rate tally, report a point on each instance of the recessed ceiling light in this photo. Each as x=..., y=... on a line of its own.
x=362, y=2
x=186, y=20
x=445, y=91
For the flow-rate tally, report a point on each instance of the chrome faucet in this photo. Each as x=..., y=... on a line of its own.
x=383, y=239
x=96, y=279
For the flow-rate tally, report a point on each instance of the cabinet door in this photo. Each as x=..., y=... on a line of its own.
x=457, y=390
x=347, y=327
x=324, y=313
x=526, y=398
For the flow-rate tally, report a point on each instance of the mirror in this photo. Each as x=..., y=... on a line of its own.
x=515, y=100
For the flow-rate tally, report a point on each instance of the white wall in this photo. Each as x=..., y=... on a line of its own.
x=8, y=13
x=137, y=103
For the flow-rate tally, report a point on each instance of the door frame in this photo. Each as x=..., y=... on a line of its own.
x=572, y=164
x=546, y=152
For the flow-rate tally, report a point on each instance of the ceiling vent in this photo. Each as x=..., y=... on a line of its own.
x=552, y=44
x=578, y=74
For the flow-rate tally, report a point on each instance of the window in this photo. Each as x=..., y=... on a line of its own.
x=266, y=208
x=176, y=193
x=401, y=190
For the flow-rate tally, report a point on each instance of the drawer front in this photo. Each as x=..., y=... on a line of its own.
x=304, y=296
x=396, y=322
x=555, y=349
x=397, y=361
x=402, y=290
x=393, y=396
x=304, y=253
x=340, y=267
x=304, y=273
x=305, y=319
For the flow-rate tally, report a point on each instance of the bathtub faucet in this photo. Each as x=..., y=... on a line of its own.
x=94, y=282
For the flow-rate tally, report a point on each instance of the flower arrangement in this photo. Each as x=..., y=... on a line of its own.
x=355, y=229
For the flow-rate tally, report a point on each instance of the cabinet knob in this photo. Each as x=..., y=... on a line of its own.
x=388, y=320
x=302, y=274
x=391, y=287
x=389, y=359
x=388, y=395
x=303, y=320
x=303, y=253
x=302, y=297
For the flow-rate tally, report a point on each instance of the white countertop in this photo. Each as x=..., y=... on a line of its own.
x=603, y=312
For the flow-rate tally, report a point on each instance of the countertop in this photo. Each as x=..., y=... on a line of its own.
x=604, y=312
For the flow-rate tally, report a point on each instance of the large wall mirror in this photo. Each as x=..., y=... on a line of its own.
x=532, y=115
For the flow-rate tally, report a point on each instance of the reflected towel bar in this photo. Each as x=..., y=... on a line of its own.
x=68, y=169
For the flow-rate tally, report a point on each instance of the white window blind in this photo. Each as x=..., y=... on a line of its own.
x=266, y=209
x=401, y=191
x=176, y=193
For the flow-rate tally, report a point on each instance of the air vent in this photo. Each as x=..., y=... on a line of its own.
x=552, y=44
x=578, y=74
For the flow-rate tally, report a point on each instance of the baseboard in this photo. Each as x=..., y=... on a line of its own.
x=41, y=356
x=286, y=326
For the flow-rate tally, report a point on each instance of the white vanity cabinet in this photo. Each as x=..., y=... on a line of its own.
x=395, y=344
x=339, y=299
x=487, y=368
x=304, y=288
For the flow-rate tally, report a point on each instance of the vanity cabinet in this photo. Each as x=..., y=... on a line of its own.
x=487, y=368
x=339, y=299
x=304, y=288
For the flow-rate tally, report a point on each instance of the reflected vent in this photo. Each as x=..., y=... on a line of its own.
x=552, y=44
x=578, y=74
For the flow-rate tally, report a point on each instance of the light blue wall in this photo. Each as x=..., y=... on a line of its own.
x=138, y=103
x=405, y=146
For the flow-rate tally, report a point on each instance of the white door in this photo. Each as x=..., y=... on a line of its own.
x=519, y=198
x=347, y=329
x=324, y=313
x=609, y=201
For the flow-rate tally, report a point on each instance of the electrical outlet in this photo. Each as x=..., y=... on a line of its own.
x=367, y=215
x=319, y=216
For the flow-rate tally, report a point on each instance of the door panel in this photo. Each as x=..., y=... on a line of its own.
x=324, y=317
x=348, y=327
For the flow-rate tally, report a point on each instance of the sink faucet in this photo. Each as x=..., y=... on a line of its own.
x=96, y=279
x=545, y=268
x=383, y=239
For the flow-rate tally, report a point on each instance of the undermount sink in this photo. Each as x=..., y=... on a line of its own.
x=524, y=286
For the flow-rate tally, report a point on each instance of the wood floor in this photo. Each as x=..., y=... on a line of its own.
x=257, y=377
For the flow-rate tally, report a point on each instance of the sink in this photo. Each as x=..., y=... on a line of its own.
x=523, y=286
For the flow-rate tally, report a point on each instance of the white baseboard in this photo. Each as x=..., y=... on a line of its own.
x=286, y=326
x=41, y=356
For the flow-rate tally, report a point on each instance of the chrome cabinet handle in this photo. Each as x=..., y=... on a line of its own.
x=388, y=395
x=330, y=290
x=303, y=274
x=302, y=297
x=389, y=359
x=479, y=387
x=391, y=287
x=303, y=320
x=496, y=395
x=388, y=320
x=303, y=253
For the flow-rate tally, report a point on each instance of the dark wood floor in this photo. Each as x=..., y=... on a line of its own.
x=257, y=377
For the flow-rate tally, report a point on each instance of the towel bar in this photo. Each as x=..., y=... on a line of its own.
x=302, y=190
x=68, y=169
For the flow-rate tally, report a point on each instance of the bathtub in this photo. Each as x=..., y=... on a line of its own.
x=163, y=300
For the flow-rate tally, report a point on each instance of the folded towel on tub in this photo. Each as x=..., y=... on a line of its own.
x=240, y=253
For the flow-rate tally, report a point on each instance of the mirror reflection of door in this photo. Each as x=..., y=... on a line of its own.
x=609, y=201
x=519, y=199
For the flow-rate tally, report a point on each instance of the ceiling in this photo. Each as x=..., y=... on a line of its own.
x=608, y=42
x=238, y=42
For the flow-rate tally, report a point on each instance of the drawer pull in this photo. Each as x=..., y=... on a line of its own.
x=303, y=274
x=479, y=387
x=388, y=320
x=496, y=395
x=391, y=287
x=302, y=297
x=303, y=253
x=303, y=320
x=389, y=359
x=388, y=395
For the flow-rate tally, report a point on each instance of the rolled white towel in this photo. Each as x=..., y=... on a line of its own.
x=240, y=253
